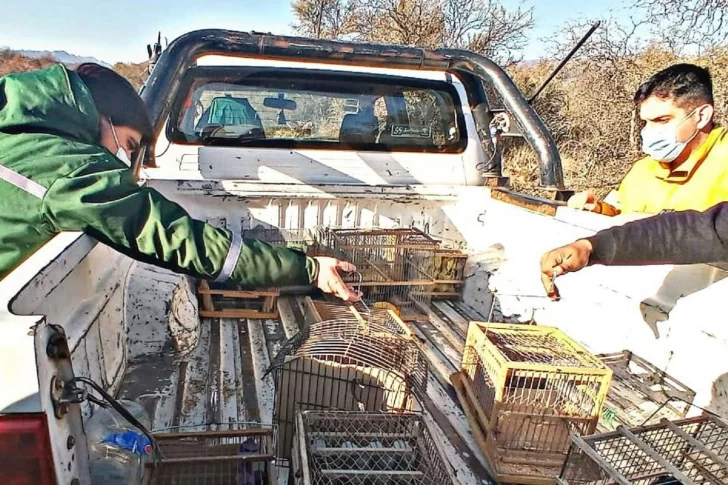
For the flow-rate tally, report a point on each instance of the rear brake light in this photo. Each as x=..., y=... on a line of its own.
x=25, y=450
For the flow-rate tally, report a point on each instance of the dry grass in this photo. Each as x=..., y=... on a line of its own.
x=135, y=73
x=589, y=110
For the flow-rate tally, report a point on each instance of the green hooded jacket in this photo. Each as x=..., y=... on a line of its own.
x=49, y=129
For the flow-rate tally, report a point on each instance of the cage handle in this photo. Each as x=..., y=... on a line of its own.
x=359, y=289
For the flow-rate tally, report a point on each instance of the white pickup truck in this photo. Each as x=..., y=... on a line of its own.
x=325, y=134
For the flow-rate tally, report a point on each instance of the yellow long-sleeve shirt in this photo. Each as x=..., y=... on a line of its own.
x=696, y=184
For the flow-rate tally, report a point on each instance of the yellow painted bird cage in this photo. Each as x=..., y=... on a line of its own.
x=530, y=387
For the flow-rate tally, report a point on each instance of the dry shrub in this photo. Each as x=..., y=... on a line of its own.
x=589, y=109
x=136, y=74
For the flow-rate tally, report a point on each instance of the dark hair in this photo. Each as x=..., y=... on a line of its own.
x=687, y=84
x=116, y=98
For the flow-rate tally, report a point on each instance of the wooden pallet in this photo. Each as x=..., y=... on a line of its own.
x=226, y=303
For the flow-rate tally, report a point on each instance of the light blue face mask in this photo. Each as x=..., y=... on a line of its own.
x=661, y=143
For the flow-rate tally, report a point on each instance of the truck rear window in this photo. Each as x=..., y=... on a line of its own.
x=293, y=108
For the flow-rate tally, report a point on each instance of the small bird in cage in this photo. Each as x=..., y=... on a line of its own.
x=666, y=480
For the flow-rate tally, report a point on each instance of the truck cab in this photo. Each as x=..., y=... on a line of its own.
x=275, y=136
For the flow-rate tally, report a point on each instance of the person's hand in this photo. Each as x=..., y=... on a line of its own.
x=584, y=201
x=566, y=259
x=329, y=280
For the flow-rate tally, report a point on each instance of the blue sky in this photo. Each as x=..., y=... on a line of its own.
x=119, y=31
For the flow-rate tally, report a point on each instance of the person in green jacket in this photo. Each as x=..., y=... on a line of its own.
x=66, y=138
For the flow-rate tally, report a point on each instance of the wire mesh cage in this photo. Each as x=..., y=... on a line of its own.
x=369, y=363
x=689, y=451
x=232, y=453
x=302, y=239
x=641, y=393
x=351, y=448
x=395, y=265
x=531, y=387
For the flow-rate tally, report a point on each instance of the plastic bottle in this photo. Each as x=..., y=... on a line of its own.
x=117, y=449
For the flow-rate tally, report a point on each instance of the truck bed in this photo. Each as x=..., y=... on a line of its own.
x=220, y=379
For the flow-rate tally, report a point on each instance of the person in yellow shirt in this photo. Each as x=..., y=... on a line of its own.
x=686, y=162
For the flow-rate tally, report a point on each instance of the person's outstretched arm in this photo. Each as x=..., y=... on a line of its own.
x=685, y=237
x=141, y=223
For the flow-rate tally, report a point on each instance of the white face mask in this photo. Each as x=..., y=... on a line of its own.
x=661, y=143
x=120, y=152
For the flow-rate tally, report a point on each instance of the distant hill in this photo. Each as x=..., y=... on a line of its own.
x=61, y=56
x=11, y=62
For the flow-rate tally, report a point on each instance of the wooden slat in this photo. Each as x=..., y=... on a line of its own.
x=205, y=299
x=236, y=293
x=269, y=304
x=526, y=414
x=414, y=318
x=238, y=313
x=470, y=392
x=533, y=458
x=526, y=479
x=536, y=204
x=443, y=253
x=213, y=434
x=480, y=439
x=206, y=459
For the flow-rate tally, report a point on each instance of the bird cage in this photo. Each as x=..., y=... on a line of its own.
x=366, y=362
x=531, y=387
x=301, y=239
x=217, y=454
x=691, y=451
x=352, y=448
x=394, y=265
x=641, y=393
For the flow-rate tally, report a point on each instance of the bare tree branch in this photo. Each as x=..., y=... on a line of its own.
x=328, y=19
x=487, y=27
x=701, y=24
x=483, y=26
x=408, y=22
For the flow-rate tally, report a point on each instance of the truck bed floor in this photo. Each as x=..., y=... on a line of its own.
x=220, y=381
